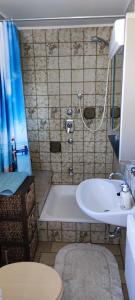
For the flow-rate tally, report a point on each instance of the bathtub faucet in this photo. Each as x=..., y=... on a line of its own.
x=116, y=174
x=70, y=171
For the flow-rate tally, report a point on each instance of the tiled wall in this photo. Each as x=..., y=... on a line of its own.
x=56, y=65
x=75, y=233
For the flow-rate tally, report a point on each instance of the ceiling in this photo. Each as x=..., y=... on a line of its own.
x=62, y=8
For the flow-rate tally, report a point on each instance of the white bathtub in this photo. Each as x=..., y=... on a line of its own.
x=61, y=206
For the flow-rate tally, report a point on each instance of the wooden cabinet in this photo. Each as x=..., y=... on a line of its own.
x=18, y=224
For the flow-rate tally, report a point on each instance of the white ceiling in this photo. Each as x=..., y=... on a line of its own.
x=61, y=8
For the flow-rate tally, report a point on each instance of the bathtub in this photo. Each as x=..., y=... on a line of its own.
x=61, y=206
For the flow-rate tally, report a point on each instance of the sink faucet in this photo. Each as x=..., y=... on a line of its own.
x=117, y=174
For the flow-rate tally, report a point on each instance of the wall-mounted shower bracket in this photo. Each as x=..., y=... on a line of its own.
x=69, y=126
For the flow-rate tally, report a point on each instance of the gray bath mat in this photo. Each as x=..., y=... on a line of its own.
x=89, y=272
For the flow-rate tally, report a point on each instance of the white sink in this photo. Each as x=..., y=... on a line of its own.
x=98, y=199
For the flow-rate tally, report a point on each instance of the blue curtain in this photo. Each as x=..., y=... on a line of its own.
x=14, y=151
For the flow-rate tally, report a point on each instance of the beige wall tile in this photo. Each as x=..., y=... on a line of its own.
x=98, y=227
x=56, y=167
x=52, y=49
x=64, y=49
x=64, y=35
x=65, y=88
x=39, y=50
x=39, y=36
x=54, y=235
x=89, y=62
x=43, y=235
x=52, y=63
x=54, y=225
x=65, y=100
x=89, y=48
x=77, y=48
x=53, y=75
x=83, y=236
x=77, y=178
x=55, y=135
x=77, y=75
x=69, y=236
x=78, y=157
x=102, y=61
x=56, y=157
x=53, y=100
x=65, y=75
x=77, y=86
x=65, y=62
x=89, y=75
x=78, y=168
x=83, y=226
x=77, y=62
x=88, y=33
x=68, y=226
x=53, y=88
x=41, y=76
x=51, y=35
x=27, y=50
x=66, y=179
x=40, y=63
x=89, y=168
x=26, y=36
x=77, y=34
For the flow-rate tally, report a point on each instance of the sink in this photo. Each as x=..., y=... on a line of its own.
x=100, y=199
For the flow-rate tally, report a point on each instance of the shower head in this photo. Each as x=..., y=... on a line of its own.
x=98, y=39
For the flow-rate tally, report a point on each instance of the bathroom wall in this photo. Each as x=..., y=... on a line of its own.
x=57, y=63
x=131, y=6
x=130, y=178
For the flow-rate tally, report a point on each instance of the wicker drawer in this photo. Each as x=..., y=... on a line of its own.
x=14, y=206
x=30, y=198
x=12, y=254
x=32, y=223
x=10, y=206
x=11, y=231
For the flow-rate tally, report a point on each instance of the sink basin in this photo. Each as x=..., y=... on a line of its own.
x=100, y=199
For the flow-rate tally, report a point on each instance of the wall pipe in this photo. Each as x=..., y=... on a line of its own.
x=63, y=18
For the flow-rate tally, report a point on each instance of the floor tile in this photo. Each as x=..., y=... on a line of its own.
x=119, y=261
x=115, y=249
x=47, y=251
x=125, y=292
x=45, y=246
x=56, y=246
x=122, y=276
x=47, y=258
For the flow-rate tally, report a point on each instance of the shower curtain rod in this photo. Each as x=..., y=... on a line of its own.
x=63, y=18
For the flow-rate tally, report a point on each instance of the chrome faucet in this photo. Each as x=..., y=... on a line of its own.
x=70, y=171
x=117, y=174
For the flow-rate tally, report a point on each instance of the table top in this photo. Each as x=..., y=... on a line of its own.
x=30, y=281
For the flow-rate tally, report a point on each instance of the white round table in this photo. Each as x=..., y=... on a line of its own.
x=30, y=281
